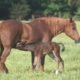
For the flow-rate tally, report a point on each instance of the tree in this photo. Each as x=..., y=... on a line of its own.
x=4, y=9
x=56, y=7
x=19, y=10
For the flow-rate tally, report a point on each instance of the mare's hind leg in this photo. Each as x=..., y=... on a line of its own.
x=3, y=57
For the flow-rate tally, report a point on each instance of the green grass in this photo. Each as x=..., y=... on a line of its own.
x=19, y=63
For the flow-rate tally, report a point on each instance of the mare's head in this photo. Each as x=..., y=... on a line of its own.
x=71, y=30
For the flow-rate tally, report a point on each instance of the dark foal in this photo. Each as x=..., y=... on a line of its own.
x=41, y=49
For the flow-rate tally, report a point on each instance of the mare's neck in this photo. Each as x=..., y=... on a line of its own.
x=55, y=30
x=56, y=26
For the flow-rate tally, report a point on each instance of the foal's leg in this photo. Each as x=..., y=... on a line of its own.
x=38, y=59
x=59, y=61
x=61, y=64
x=35, y=59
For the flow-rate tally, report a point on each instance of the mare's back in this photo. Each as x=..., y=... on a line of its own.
x=10, y=25
x=10, y=31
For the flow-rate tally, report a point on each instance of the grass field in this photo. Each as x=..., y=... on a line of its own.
x=19, y=63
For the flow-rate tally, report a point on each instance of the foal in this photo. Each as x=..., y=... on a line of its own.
x=41, y=49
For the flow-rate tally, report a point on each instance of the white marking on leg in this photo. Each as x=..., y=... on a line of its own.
x=54, y=54
x=57, y=72
x=35, y=60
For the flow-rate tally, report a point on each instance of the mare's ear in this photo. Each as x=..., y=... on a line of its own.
x=71, y=20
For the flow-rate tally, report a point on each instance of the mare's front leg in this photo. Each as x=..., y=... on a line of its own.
x=42, y=62
x=3, y=57
x=46, y=38
x=32, y=60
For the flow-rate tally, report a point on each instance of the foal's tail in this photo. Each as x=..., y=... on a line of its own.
x=62, y=47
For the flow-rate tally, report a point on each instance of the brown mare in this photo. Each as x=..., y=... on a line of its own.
x=40, y=49
x=39, y=30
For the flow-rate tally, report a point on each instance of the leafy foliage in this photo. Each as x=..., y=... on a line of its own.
x=21, y=9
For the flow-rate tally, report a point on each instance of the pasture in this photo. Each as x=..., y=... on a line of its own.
x=19, y=63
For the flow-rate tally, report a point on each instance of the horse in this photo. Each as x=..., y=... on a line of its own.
x=46, y=28
x=39, y=30
x=40, y=49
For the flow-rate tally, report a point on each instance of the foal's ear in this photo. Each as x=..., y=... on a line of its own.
x=23, y=43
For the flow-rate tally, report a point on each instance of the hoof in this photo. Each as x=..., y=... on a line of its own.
x=3, y=68
x=58, y=72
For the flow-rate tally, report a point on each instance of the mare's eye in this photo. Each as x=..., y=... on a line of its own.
x=73, y=28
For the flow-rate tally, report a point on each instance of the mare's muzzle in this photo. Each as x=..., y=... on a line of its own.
x=77, y=41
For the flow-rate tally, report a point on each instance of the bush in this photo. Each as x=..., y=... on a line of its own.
x=19, y=11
